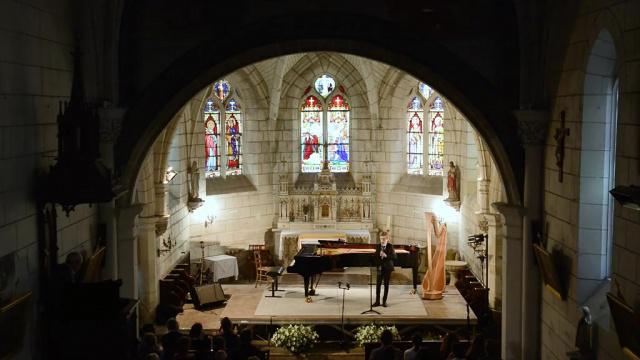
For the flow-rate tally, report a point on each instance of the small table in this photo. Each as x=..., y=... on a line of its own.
x=222, y=266
x=453, y=266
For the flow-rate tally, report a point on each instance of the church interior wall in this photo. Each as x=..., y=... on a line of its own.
x=239, y=219
x=562, y=200
x=37, y=70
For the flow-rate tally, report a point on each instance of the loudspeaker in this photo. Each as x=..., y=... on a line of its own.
x=207, y=294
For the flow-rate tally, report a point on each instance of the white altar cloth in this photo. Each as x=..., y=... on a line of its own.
x=222, y=266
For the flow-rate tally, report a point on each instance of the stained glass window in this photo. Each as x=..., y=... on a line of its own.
x=233, y=135
x=211, y=139
x=436, y=138
x=325, y=85
x=415, y=115
x=425, y=90
x=338, y=134
x=221, y=89
x=222, y=112
x=311, y=131
x=325, y=141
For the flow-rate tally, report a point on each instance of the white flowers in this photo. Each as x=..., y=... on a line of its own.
x=371, y=333
x=296, y=338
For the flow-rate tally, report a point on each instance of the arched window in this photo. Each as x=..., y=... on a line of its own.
x=415, y=135
x=436, y=137
x=597, y=161
x=415, y=115
x=220, y=105
x=324, y=141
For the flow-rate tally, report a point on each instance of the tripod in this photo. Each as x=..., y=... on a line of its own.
x=371, y=291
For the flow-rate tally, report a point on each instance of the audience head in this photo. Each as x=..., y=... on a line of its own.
x=74, y=261
x=226, y=325
x=150, y=340
x=220, y=355
x=416, y=339
x=246, y=336
x=196, y=330
x=172, y=325
x=386, y=338
x=152, y=356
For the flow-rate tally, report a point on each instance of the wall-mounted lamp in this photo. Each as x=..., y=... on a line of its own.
x=627, y=196
x=169, y=175
x=209, y=220
x=168, y=245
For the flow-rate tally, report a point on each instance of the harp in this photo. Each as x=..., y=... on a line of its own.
x=434, y=280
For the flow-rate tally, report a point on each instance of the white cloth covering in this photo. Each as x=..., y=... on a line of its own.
x=222, y=266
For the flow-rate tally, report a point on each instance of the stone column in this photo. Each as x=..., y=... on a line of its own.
x=532, y=127
x=110, y=124
x=147, y=265
x=127, y=249
x=512, y=306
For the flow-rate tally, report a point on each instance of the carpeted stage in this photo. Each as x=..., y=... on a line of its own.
x=248, y=305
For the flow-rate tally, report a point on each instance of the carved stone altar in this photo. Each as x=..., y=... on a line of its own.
x=319, y=202
x=323, y=203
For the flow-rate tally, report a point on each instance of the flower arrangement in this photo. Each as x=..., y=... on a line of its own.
x=371, y=333
x=295, y=338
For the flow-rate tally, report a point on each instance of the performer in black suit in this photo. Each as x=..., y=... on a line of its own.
x=385, y=256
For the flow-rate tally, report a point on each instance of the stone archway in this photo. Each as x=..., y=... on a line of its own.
x=352, y=35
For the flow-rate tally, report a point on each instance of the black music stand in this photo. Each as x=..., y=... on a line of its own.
x=371, y=310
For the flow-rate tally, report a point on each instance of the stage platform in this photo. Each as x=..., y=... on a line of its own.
x=248, y=305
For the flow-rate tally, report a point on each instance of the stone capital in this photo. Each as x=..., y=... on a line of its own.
x=532, y=126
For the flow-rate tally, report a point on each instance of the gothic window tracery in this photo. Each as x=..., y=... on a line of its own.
x=222, y=105
x=325, y=140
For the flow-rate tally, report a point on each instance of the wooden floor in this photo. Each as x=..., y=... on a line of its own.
x=244, y=299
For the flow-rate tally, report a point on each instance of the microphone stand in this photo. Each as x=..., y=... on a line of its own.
x=343, y=343
x=371, y=310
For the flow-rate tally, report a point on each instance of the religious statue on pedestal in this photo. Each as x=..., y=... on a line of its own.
x=453, y=182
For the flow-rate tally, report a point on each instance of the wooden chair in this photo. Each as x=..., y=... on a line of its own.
x=261, y=269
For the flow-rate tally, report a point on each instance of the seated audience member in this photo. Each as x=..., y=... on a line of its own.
x=152, y=356
x=205, y=352
x=197, y=338
x=219, y=344
x=182, y=352
x=447, y=345
x=149, y=345
x=170, y=339
x=245, y=349
x=386, y=351
x=220, y=355
x=147, y=328
x=457, y=352
x=226, y=331
x=476, y=350
x=411, y=353
x=492, y=350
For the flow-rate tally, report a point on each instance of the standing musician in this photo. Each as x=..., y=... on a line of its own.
x=384, y=255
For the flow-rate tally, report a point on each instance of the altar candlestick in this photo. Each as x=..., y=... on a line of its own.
x=388, y=228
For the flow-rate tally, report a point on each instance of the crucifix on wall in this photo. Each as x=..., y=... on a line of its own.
x=561, y=133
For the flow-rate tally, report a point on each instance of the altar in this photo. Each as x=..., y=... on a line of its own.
x=323, y=206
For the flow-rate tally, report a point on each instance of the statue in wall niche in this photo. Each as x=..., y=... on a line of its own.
x=453, y=182
x=584, y=337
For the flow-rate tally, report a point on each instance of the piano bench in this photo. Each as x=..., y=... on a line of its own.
x=275, y=272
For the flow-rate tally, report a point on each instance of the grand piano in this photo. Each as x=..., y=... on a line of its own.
x=314, y=259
